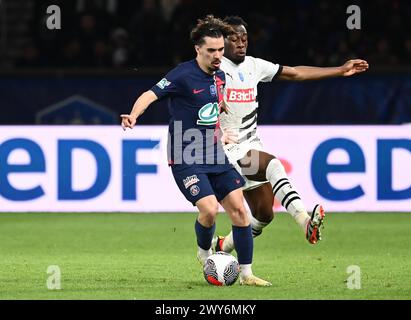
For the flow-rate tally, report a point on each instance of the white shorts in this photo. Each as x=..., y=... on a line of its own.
x=237, y=151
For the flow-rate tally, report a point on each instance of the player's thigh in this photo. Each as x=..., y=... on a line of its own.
x=228, y=189
x=260, y=201
x=254, y=164
x=225, y=182
x=233, y=204
x=237, y=155
x=194, y=186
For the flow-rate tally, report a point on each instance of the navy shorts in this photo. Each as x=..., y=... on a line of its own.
x=195, y=185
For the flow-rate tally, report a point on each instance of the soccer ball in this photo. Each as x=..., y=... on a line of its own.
x=221, y=269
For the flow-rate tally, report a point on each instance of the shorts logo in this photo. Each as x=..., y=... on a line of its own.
x=189, y=181
x=163, y=83
x=194, y=190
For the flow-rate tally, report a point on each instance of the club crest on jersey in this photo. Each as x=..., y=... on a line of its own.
x=163, y=83
x=194, y=190
x=208, y=114
x=240, y=74
x=189, y=181
x=213, y=90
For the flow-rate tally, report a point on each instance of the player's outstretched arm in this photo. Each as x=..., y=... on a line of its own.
x=142, y=103
x=302, y=73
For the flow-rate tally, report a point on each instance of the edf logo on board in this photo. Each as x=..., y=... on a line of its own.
x=101, y=168
x=65, y=147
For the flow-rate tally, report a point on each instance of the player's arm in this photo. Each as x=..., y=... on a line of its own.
x=302, y=73
x=142, y=103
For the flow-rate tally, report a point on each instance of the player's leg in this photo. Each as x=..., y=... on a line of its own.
x=229, y=193
x=197, y=189
x=260, y=201
x=271, y=169
x=258, y=194
x=241, y=230
x=205, y=226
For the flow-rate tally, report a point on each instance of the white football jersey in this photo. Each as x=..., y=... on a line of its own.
x=241, y=94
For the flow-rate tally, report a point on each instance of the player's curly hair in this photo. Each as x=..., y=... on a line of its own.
x=210, y=26
x=235, y=21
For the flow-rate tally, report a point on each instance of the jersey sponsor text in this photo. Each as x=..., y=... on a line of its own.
x=241, y=95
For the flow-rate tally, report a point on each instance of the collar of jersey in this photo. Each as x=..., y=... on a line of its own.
x=208, y=75
x=232, y=63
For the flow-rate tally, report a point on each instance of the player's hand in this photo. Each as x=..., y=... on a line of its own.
x=127, y=121
x=223, y=107
x=229, y=136
x=354, y=66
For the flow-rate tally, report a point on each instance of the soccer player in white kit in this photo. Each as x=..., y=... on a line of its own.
x=264, y=174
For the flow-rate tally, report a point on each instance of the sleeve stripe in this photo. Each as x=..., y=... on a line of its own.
x=280, y=70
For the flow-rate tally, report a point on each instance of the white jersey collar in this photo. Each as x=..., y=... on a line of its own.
x=232, y=63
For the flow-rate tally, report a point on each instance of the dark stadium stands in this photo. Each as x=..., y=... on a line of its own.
x=136, y=42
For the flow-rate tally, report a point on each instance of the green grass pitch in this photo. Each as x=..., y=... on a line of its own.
x=153, y=256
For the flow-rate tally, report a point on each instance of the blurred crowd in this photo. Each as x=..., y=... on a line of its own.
x=155, y=33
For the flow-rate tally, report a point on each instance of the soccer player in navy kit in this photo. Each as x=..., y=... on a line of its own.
x=198, y=162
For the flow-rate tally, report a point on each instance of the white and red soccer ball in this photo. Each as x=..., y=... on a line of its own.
x=221, y=269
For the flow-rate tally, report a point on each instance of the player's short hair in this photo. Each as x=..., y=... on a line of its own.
x=235, y=21
x=210, y=26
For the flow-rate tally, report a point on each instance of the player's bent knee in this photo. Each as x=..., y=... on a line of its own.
x=207, y=218
x=208, y=210
x=265, y=216
x=239, y=216
x=267, y=161
x=264, y=213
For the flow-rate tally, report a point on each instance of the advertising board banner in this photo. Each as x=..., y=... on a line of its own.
x=106, y=169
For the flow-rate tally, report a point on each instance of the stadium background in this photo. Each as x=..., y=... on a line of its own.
x=110, y=51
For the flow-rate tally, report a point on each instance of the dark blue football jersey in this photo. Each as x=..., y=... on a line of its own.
x=194, y=98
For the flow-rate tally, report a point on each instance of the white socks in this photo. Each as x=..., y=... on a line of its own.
x=285, y=193
x=257, y=226
x=228, y=243
x=202, y=254
x=245, y=271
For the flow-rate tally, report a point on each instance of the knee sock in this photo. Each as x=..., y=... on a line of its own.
x=204, y=238
x=286, y=194
x=244, y=245
x=256, y=227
